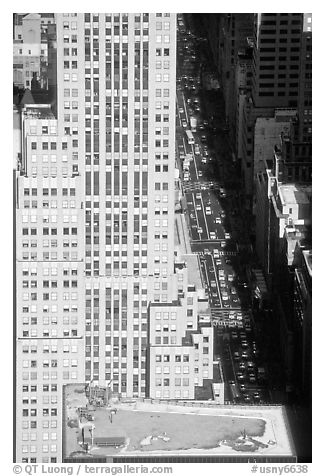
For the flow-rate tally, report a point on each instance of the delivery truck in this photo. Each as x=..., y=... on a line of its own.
x=193, y=122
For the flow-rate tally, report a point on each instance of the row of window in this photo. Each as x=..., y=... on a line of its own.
x=50, y=191
x=161, y=198
x=70, y=51
x=53, y=158
x=162, y=77
x=45, y=411
x=161, y=168
x=45, y=388
x=46, y=256
x=177, y=394
x=49, y=243
x=49, y=296
x=45, y=449
x=32, y=424
x=53, y=171
x=162, y=38
x=49, y=204
x=47, y=284
x=70, y=25
x=70, y=38
x=46, y=349
x=46, y=308
x=33, y=436
x=48, y=145
x=66, y=320
x=116, y=17
x=177, y=369
x=66, y=375
x=54, y=218
x=46, y=271
x=54, y=231
x=46, y=333
x=50, y=363
x=162, y=93
x=46, y=399
x=178, y=382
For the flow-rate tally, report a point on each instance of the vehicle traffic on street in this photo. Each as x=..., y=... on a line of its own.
x=215, y=226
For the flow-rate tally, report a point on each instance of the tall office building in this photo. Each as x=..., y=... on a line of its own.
x=235, y=29
x=278, y=59
x=124, y=148
x=49, y=281
x=100, y=296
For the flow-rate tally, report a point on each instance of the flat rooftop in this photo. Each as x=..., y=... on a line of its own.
x=194, y=276
x=294, y=194
x=182, y=238
x=217, y=373
x=145, y=427
x=39, y=111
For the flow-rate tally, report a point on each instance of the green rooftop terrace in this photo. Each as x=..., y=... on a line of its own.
x=146, y=427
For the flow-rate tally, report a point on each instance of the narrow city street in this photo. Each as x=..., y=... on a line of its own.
x=245, y=336
x=212, y=202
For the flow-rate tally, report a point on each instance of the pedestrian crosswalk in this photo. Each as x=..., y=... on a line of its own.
x=195, y=186
x=192, y=187
x=229, y=317
x=226, y=324
x=218, y=313
x=221, y=253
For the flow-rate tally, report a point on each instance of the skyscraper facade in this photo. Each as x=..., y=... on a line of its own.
x=95, y=199
x=276, y=81
x=105, y=67
x=50, y=301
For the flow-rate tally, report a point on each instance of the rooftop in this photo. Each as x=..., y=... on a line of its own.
x=38, y=111
x=217, y=373
x=293, y=194
x=148, y=427
x=32, y=16
x=194, y=277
